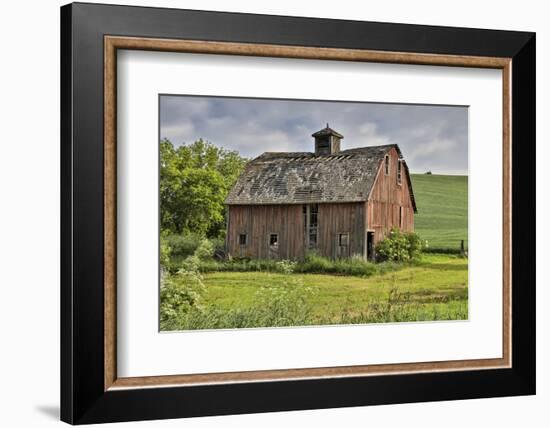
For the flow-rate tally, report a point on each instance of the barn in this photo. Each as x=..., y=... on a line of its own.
x=338, y=203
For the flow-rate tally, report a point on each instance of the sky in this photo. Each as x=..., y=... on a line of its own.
x=431, y=138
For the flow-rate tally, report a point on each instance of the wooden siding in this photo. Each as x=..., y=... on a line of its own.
x=386, y=198
x=259, y=221
x=335, y=219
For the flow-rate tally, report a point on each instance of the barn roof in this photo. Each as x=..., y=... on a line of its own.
x=303, y=177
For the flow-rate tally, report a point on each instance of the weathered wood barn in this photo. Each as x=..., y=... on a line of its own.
x=338, y=203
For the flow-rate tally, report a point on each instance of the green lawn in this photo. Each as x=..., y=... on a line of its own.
x=442, y=202
x=436, y=288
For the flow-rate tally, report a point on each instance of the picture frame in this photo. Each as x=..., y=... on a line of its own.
x=91, y=391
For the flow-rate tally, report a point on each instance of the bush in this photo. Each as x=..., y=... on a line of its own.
x=182, y=246
x=355, y=265
x=219, y=248
x=285, y=305
x=400, y=247
x=416, y=245
x=179, y=294
x=165, y=252
x=285, y=266
x=313, y=263
x=205, y=250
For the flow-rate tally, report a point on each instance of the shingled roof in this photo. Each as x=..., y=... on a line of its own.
x=303, y=177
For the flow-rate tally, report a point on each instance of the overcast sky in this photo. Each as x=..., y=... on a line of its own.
x=431, y=137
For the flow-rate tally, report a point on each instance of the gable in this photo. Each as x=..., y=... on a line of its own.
x=387, y=188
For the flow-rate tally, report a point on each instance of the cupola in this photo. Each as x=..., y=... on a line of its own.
x=327, y=141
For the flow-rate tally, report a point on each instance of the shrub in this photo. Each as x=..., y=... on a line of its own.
x=165, y=252
x=184, y=245
x=219, y=248
x=205, y=250
x=285, y=266
x=313, y=263
x=416, y=245
x=355, y=265
x=179, y=294
x=399, y=247
x=284, y=305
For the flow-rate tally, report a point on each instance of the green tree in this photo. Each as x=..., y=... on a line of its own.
x=194, y=182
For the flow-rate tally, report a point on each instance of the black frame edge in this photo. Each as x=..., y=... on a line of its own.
x=304, y=31
x=66, y=306
x=524, y=213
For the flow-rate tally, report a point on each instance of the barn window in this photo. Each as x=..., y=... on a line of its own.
x=401, y=217
x=311, y=225
x=323, y=146
x=343, y=239
x=387, y=165
x=243, y=239
x=273, y=240
x=399, y=167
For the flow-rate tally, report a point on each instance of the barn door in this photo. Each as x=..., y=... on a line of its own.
x=370, y=245
x=273, y=243
x=342, y=245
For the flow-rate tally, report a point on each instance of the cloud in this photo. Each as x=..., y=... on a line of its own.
x=177, y=133
x=433, y=147
x=369, y=134
x=430, y=137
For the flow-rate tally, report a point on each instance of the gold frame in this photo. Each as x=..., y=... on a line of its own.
x=113, y=43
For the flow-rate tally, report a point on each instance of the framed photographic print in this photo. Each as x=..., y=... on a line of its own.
x=266, y=213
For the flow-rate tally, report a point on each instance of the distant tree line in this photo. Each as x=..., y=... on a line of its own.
x=194, y=182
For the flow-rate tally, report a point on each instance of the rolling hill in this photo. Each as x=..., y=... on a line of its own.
x=442, y=202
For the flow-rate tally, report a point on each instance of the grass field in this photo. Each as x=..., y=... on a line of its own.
x=434, y=289
x=442, y=202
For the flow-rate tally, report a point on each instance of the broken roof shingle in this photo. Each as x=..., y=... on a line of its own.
x=303, y=177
